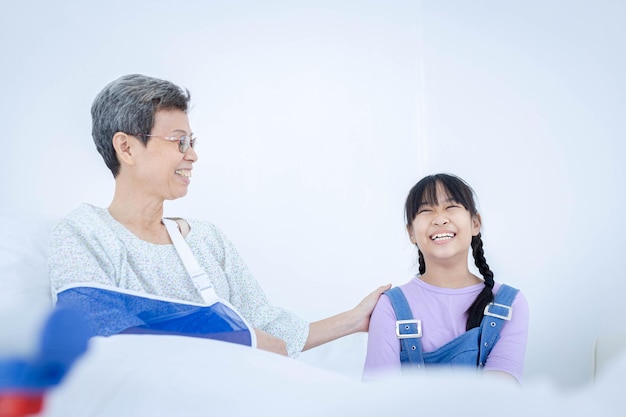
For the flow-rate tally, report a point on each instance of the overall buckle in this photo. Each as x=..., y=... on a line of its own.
x=408, y=328
x=504, y=315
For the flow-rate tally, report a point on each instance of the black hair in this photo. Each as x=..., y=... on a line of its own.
x=457, y=189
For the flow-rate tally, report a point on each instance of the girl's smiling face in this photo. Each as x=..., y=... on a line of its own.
x=442, y=227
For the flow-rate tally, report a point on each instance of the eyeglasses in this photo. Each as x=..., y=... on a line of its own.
x=184, y=142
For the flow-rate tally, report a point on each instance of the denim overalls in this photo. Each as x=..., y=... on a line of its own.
x=469, y=349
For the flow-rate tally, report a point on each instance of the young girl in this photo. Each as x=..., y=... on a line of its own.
x=443, y=324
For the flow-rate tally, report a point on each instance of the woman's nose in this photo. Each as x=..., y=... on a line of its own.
x=191, y=154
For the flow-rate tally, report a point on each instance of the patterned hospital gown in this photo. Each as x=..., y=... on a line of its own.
x=90, y=246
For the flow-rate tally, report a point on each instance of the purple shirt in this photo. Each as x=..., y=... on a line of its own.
x=443, y=312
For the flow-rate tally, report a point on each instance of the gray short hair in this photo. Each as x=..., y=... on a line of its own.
x=128, y=105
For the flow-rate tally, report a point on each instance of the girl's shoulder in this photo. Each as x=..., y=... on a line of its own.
x=519, y=296
x=520, y=307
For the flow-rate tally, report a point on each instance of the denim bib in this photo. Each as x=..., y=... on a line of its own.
x=469, y=349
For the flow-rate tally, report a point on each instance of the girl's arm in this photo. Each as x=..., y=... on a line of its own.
x=383, y=347
x=508, y=353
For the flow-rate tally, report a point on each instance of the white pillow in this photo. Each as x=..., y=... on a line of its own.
x=25, y=296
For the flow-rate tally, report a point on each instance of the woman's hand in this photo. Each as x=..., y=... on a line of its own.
x=343, y=324
x=364, y=309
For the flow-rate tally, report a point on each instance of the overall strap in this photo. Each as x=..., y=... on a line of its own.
x=197, y=274
x=496, y=313
x=408, y=329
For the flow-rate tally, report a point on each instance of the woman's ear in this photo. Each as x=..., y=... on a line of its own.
x=476, y=224
x=123, y=147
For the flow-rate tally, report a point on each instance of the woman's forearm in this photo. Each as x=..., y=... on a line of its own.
x=342, y=324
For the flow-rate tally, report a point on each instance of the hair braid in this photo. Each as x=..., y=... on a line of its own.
x=422, y=264
x=476, y=310
x=480, y=261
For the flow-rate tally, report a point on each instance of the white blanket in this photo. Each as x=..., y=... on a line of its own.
x=146, y=375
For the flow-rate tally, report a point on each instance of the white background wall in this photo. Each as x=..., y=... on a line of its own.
x=316, y=117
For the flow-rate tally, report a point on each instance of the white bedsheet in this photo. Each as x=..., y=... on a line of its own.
x=145, y=375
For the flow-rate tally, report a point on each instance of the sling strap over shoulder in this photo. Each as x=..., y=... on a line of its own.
x=195, y=271
x=409, y=329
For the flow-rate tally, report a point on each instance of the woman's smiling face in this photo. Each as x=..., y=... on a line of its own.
x=164, y=169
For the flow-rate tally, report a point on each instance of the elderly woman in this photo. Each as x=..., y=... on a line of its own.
x=141, y=129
